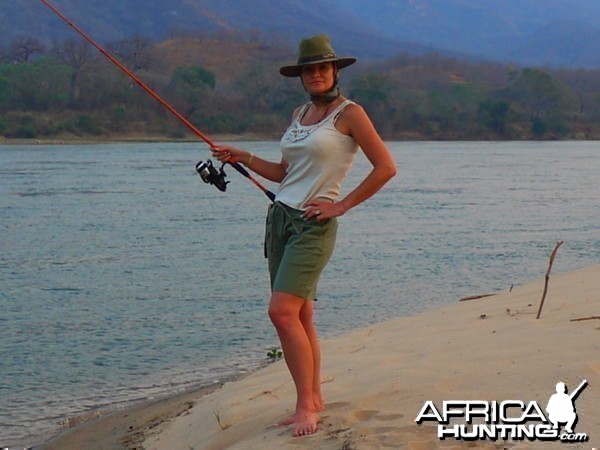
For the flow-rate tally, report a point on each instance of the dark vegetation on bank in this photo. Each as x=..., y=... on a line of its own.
x=229, y=84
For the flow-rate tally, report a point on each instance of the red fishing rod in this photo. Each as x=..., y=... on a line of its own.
x=206, y=170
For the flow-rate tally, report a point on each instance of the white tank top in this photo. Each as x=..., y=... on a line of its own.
x=318, y=156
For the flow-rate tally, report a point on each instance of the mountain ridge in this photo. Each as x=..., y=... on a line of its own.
x=526, y=32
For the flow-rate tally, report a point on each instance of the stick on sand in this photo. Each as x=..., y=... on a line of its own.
x=552, y=256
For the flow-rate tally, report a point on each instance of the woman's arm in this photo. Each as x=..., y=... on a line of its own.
x=272, y=171
x=355, y=122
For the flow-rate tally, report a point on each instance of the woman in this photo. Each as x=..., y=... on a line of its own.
x=317, y=152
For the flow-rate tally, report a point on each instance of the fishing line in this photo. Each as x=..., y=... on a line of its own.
x=206, y=170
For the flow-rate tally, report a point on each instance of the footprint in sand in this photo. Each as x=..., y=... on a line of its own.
x=365, y=415
x=388, y=417
x=335, y=405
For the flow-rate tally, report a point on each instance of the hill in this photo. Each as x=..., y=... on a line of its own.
x=552, y=32
x=231, y=85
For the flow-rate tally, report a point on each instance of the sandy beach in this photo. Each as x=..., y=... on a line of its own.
x=376, y=380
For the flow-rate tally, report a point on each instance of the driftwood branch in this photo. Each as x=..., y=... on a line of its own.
x=585, y=318
x=552, y=256
x=475, y=297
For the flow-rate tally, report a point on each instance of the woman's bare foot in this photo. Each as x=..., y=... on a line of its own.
x=319, y=407
x=306, y=423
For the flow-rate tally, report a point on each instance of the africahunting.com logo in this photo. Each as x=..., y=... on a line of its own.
x=471, y=420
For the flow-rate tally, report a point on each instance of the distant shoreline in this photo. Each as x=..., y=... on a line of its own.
x=245, y=137
x=136, y=139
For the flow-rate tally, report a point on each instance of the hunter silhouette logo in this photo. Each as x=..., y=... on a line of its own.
x=561, y=408
x=517, y=420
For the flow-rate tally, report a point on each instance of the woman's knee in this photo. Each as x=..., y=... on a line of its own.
x=284, y=309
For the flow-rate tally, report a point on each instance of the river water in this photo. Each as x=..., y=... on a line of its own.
x=124, y=277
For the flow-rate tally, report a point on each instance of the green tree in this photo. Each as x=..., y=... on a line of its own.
x=546, y=101
x=39, y=85
x=193, y=77
x=6, y=93
x=24, y=127
x=374, y=93
x=465, y=98
x=440, y=111
x=76, y=55
x=494, y=115
x=537, y=92
x=191, y=85
x=259, y=88
x=411, y=111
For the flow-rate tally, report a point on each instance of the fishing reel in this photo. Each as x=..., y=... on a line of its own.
x=211, y=175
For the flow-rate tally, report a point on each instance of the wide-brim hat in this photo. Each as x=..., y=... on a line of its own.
x=315, y=50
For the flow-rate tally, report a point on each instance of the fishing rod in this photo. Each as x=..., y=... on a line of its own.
x=205, y=169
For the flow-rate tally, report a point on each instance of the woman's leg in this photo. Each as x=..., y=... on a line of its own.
x=306, y=317
x=285, y=311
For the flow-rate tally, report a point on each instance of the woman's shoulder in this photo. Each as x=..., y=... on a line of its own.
x=352, y=107
x=299, y=110
x=352, y=113
x=354, y=121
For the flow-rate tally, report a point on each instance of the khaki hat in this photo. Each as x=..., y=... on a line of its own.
x=315, y=50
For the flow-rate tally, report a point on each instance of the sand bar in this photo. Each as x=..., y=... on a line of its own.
x=377, y=379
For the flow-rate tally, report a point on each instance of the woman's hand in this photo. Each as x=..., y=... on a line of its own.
x=322, y=210
x=270, y=170
x=228, y=153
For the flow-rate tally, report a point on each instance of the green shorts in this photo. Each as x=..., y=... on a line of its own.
x=297, y=250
